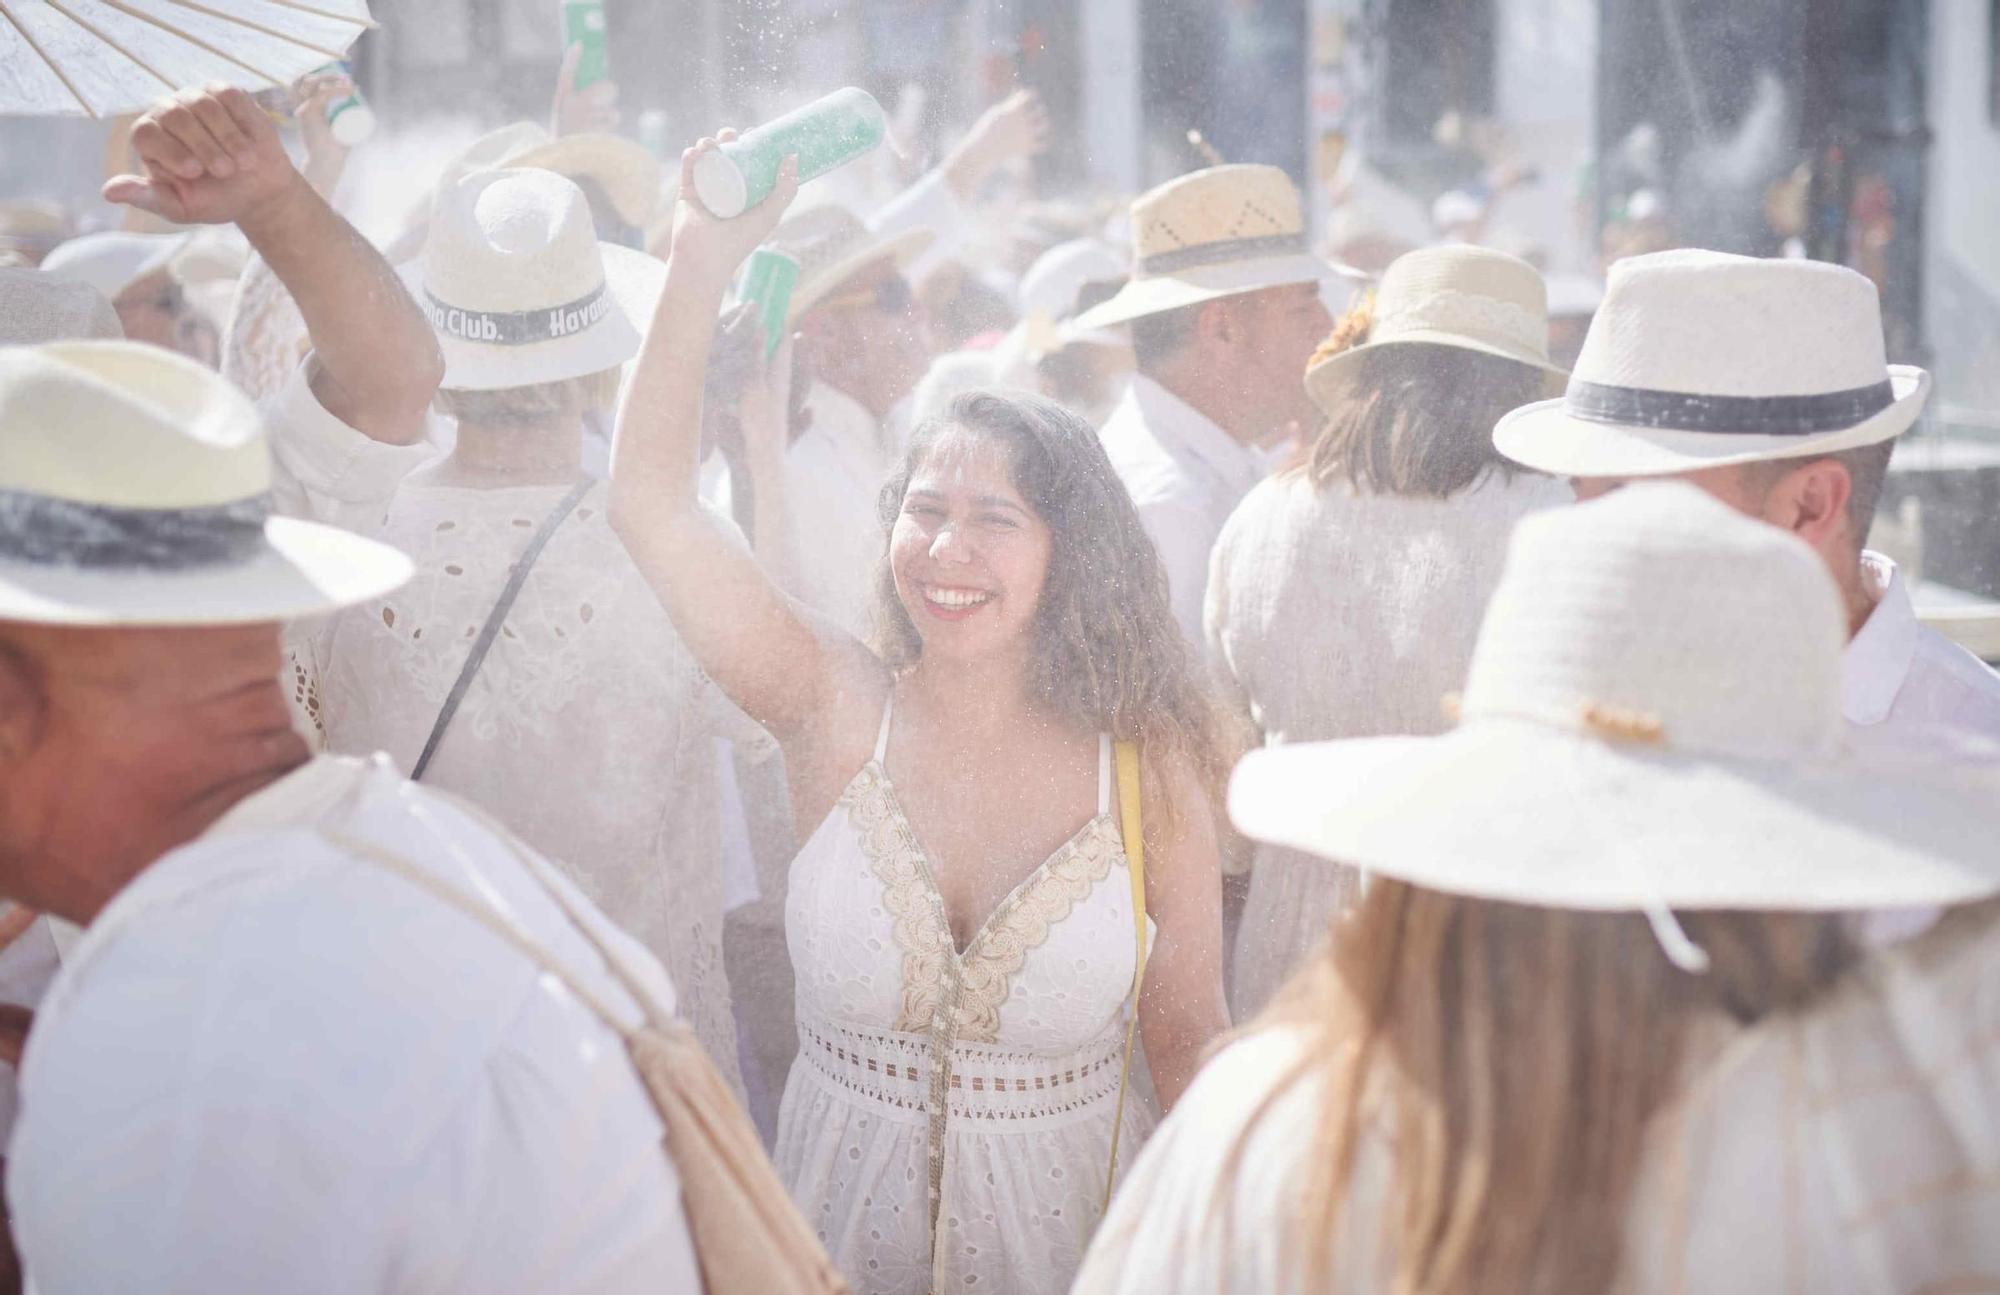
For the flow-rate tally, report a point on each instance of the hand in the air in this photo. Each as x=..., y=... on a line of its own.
x=211, y=157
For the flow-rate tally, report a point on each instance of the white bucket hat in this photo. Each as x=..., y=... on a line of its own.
x=1651, y=721
x=519, y=289
x=135, y=490
x=1703, y=360
x=1457, y=296
x=1214, y=233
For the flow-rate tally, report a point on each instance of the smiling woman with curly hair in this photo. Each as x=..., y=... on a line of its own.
x=962, y=917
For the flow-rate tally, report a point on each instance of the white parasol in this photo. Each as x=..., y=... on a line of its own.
x=100, y=58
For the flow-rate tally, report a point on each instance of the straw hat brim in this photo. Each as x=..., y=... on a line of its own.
x=636, y=281
x=1546, y=437
x=1157, y=293
x=1323, y=379
x=303, y=569
x=903, y=249
x=628, y=173
x=1531, y=814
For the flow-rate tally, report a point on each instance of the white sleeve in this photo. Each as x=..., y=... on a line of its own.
x=325, y=471
x=928, y=206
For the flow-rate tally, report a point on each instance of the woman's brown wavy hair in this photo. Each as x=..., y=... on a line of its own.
x=1108, y=652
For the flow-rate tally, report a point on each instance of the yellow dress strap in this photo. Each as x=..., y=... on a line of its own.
x=1126, y=756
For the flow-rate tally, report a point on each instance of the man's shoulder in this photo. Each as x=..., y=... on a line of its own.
x=278, y=973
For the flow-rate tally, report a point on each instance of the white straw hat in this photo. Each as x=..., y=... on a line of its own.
x=113, y=261
x=519, y=289
x=135, y=490
x=628, y=174
x=1652, y=720
x=1701, y=360
x=1458, y=296
x=36, y=307
x=1214, y=233
x=832, y=245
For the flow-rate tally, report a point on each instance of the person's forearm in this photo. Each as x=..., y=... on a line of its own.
x=656, y=464
x=378, y=361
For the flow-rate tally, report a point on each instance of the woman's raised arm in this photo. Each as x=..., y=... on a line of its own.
x=783, y=666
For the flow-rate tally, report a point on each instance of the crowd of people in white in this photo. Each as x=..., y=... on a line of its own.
x=514, y=779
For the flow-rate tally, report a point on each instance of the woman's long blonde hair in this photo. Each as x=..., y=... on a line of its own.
x=1514, y=1056
x=1108, y=653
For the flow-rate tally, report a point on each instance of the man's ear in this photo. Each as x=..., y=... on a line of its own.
x=1810, y=501
x=23, y=705
x=1215, y=322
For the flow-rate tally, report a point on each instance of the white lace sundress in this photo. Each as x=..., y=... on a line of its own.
x=984, y=1079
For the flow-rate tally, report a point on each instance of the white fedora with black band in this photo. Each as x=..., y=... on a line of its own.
x=1651, y=721
x=135, y=490
x=1703, y=360
x=1215, y=233
x=520, y=291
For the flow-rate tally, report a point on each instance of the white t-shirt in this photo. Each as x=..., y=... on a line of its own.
x=272, y=1065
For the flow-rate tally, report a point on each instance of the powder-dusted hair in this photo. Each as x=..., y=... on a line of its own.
x=541, y=402
x=1514, y=1057
x=1418, y=420
x=1108, y=652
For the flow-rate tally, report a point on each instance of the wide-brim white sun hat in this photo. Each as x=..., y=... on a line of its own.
x=1701, y=359
x=1651, y=721
x=135, y=490
x=1458, y=297
x=1214, y=233
x=518, y=288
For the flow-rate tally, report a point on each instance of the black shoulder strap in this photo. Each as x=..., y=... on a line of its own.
x=494, y=620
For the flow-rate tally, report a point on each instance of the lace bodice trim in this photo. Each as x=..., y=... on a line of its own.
x=922, y=929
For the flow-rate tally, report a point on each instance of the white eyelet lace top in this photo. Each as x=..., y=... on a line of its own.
x=977, y=1084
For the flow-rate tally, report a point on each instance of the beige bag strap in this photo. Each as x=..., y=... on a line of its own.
x=746, y=1231
x=490, y=918
x=1126, y=755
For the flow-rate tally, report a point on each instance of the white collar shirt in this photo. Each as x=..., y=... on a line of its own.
x=1907, y=686
x=834, y=474
x=1185, y=475
x=1908, y=690
x=273, y=1066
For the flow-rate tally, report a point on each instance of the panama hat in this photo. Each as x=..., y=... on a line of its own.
x=36, y=307
x=1703, y=360
x=519, y=289
x=1214, y=233
x=135, y=490
x=628, y=174
x=1652, y=720
x=113, y=261
x=832, y=245
x=1458, y=296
